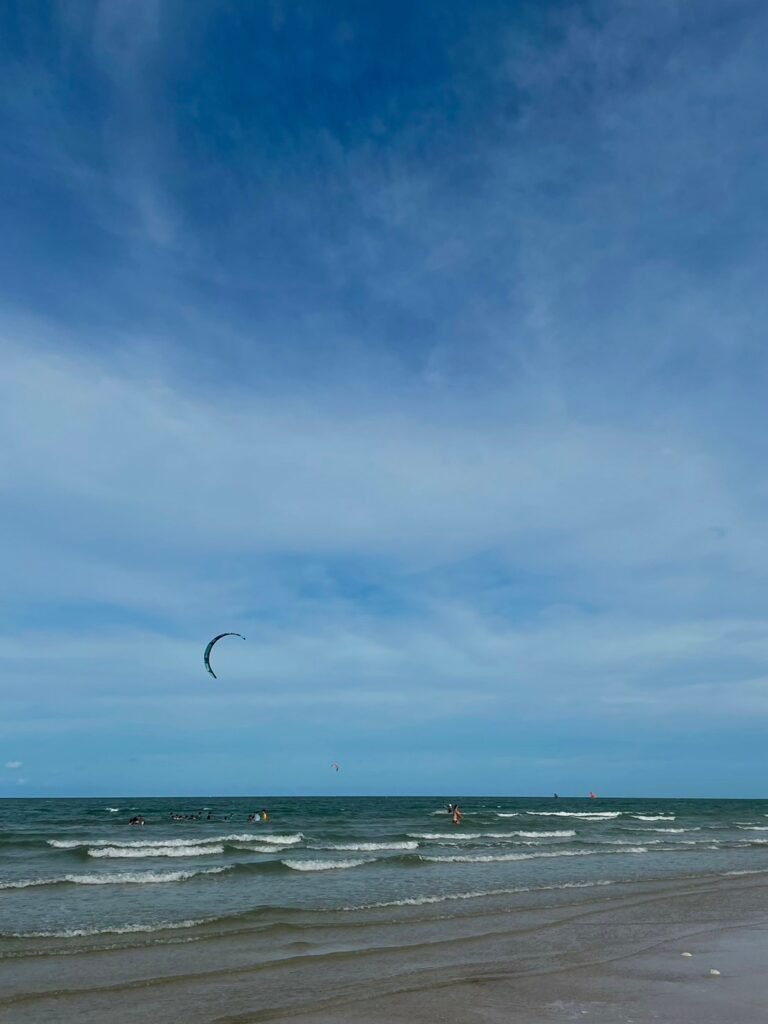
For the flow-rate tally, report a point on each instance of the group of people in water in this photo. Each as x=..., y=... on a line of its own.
x=262, y=815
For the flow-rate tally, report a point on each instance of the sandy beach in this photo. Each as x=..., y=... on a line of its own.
x=605, y=956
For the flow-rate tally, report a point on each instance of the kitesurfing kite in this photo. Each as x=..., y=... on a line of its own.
x=209, y=648
x=336, y=766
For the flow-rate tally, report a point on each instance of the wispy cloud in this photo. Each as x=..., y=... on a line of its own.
x=449, y=393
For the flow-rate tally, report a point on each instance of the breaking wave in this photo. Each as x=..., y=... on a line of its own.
x=584, y=815
x=420, y=901
x=501, y=857
x=366, y=847
x=323, y=865
x=126, y=929
x=238, y=837
x=154, y=851
x=459, y=836
x=118, y=878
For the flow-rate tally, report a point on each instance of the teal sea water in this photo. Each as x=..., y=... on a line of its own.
x=75, y=873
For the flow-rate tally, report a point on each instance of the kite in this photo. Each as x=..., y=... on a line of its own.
x=336, y=766
x=209, y=648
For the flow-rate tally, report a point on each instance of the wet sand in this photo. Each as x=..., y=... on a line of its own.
x=609, y=956
x=655, y=986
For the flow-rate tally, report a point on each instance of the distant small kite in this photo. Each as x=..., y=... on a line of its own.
x=336, y=766
x=209, y=648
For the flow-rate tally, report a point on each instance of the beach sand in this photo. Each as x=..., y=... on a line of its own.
x=655, y=985
x=612, y=956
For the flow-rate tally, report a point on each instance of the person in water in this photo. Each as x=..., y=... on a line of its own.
x=456, y=814
x=264, y=814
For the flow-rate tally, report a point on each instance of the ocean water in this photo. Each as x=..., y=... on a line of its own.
x=75, y=875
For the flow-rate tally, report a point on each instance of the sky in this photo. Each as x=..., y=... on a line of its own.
x=425, y=346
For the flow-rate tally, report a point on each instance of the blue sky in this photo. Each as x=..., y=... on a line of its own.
x=424, y=345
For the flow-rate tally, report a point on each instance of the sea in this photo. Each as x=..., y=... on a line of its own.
x=75, y=875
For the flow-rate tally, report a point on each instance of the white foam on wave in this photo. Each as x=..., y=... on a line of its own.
x=117, y=878
x=646, y=830
x=420, y=901
x=112, y=810
x=508, y=814
x=444, y=835
x=753, y=828
x=501, y=857
x=366, y=847
x=561, y=833
x=245, y=837
x=255, y=848
x=241, y=837
x=323, y=865
x=626, y=842
x=653, y=817
x=584, y=815
x=469, y=836
x=155, y=851
x=126, y=929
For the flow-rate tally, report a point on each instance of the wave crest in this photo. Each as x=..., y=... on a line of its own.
x=154, y=851
x=323, y=865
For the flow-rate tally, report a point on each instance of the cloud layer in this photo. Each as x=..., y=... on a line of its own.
x=444, y=387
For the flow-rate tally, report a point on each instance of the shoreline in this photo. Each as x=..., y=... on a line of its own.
x=608, y=956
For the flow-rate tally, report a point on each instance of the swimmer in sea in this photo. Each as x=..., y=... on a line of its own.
x=456, y=814
x=264, y=814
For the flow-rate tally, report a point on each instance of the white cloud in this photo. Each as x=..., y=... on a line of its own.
x=176, y=506
x=13, y=764
x=129, y=456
